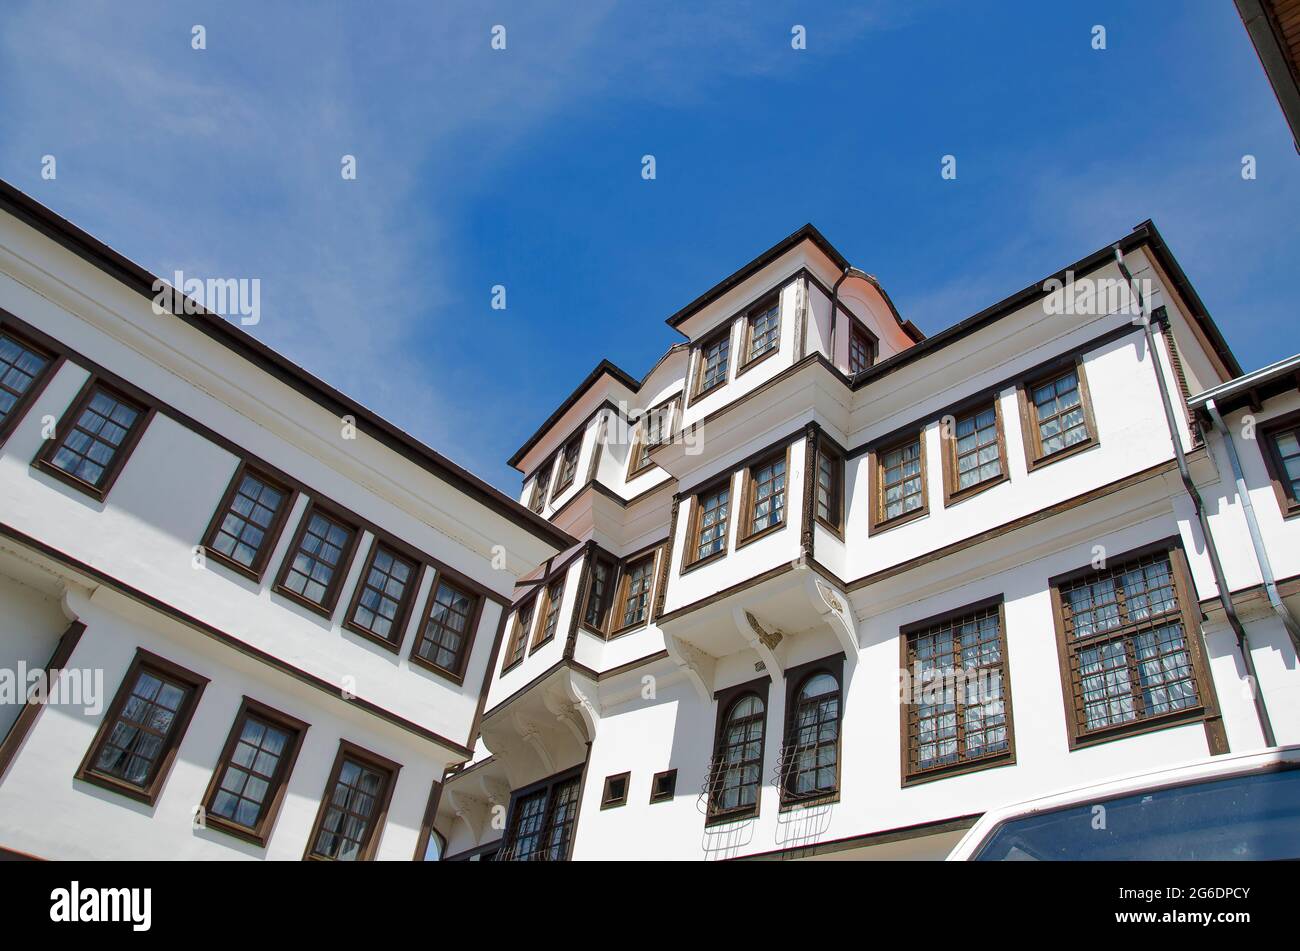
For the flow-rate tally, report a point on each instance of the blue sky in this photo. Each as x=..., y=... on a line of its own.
x=522, y=167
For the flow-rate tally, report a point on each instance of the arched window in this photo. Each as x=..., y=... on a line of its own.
x=738, y=760
x=812, y=747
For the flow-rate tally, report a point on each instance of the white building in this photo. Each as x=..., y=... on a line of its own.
x=315, y=637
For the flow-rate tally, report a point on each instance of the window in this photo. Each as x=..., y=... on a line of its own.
x=540, y=827
x=24, y=370
x=136, y=742
x=1056, y=416
x=975, y=456
x=353, y=807
x=736, y=772
x=568, y=463
x=551, y=613
x=653, y=430
x=1280, y=445
x=248, y=784
x=94, y=439
x=715, y=354
x=708, y=536
x=313, y=570
x=600, y=587
x=860, y=349
x=1129, y=647
x=810, y=756
x=763, y=330
x=448, y=629
x=247, y=523
x=663, y=786
x=830, y=491
x=615, y=791
x=957, y=715
x=898, y=477
x=765, y=507
x=519, y=637
x=541, y=485
x=382, y=602
x=634, y=592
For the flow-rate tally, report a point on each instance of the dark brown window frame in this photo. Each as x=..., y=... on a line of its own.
x=349, y=750
x=271, y=537
x=857, y=331
x=517, y=647
x=608, y=798
x=876, y=522
x=653, y=555
x=542, y=492
x=44, y=458
x=747, y=336
x=261, y=832
x=835, y=502
x=689, y=560
x=576, y=774
x=638, y=460
x=148, y=794
x=564, y=473
x=551, y=606
x=795, y=679
x=750, y=499
x=1035, y=458
x=1266, y=433
x=699, y=361
x=1007, y=757
x=663, y=786
x=1206, y=712
x=725, y=700
x=452, y=579
x=412, y=590
x=54, y=360
x=611, y=591
x=326, y=608
x=951, y=493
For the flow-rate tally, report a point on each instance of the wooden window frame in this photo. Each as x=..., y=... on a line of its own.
x=405, y=606
x=1188, y=614
x=668, y=779
x=609, y=799
x=621, y=590
x=348, y=750
x=550, y=784
x=749, y=497
x=53, y=363
x=795, y=679
x=1267, y=431
x=472, y=622
x=260, y=833
x=1035, y=458
x=611, y=591
x=517, y=648
x=149, y=793
x=44, y=458
x=951, y=493
x=725, y=700
x=876, y=521
x=552, y=604
x=835, y=493
x=690, y=561
x=638, y=460
x=326, y=608
x=870, y=343
x=271, y=536
x=700, y=361
x=1007, y=757
x=565, y=474
x=747, y=338
x=542, y=492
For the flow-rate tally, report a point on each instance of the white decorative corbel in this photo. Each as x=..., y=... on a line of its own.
x=532, y=735
x=694, y=663
x=835, y=611
x=765, y=642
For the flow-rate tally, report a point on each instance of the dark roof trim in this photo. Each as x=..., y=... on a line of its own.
x=133, y=276
x=1260, y=18
x=602, y=368
x=806, y=233
x=1143, y=234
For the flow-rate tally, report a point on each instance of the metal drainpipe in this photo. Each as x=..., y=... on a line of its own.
x=1216, y=567
x=849, y=271
x=1257, y=540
